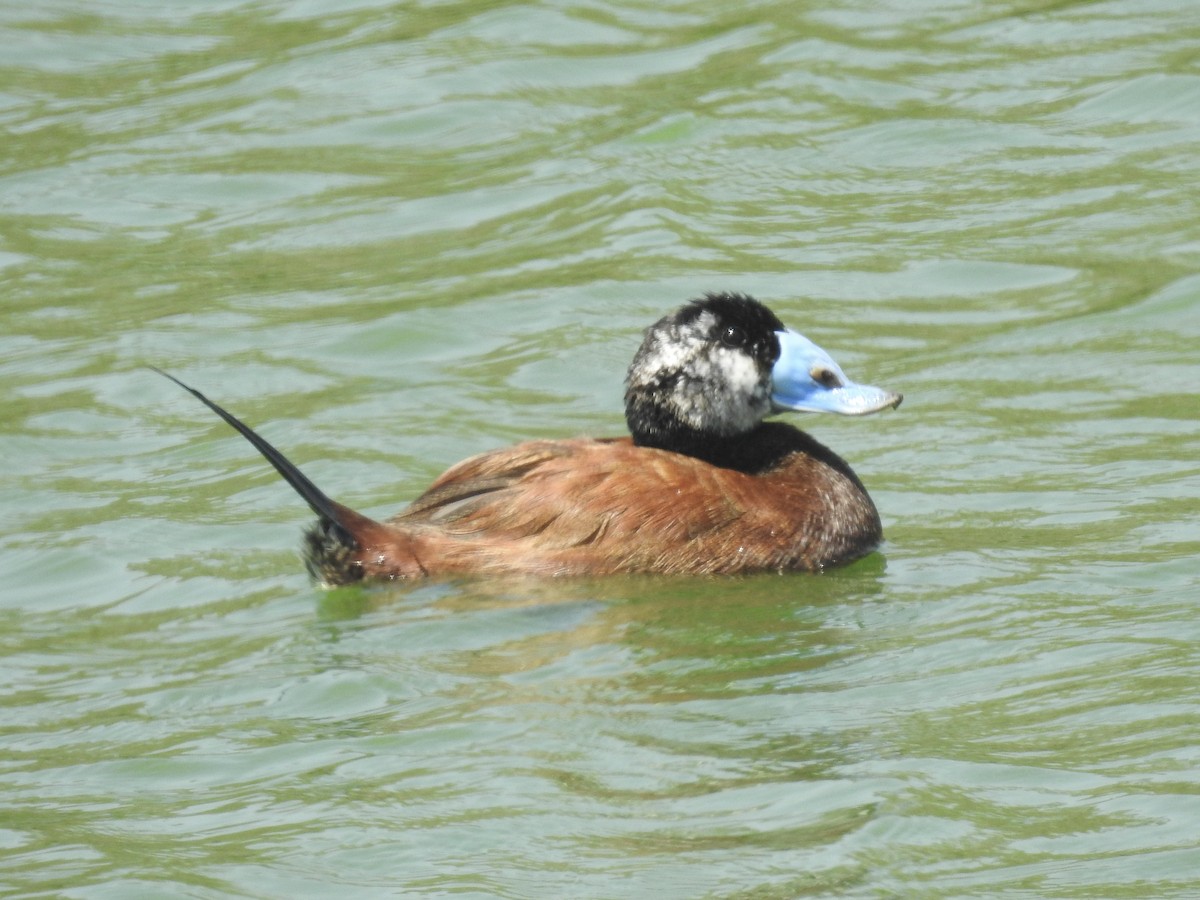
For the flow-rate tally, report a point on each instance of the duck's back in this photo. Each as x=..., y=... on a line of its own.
x=596, y=507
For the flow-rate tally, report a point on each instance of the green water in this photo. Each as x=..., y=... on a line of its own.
x=392, y=235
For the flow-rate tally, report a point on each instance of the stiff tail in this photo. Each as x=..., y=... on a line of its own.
x=331, y=546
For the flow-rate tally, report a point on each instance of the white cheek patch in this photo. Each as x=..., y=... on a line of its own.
x=725, y=394
x=668, y=356
x=741, y=373
x=746, y=396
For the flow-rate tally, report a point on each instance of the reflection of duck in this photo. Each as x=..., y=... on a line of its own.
x=703, y=486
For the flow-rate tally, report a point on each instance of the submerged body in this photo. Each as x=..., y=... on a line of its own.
x=703, y=485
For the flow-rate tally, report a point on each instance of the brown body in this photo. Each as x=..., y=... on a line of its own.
x=599, y=507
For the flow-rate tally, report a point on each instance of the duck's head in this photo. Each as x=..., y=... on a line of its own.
x=716, y=368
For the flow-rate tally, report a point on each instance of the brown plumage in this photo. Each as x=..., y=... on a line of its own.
x=703, y=486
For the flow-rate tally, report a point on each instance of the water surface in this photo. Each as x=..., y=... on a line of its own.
x=392, y=235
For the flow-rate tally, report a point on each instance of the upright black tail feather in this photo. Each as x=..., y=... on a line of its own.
x=328, y=511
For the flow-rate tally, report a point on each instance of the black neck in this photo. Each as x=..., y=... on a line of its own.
x=755, y=452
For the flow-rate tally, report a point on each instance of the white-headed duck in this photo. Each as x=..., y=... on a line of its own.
x=702, y=486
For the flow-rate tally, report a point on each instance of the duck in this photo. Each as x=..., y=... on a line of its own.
x=703, y=484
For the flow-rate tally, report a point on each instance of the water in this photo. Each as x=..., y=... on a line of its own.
x=394, y=235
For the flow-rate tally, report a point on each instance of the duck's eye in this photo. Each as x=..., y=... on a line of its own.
x=825, y=377
x=732, y=336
